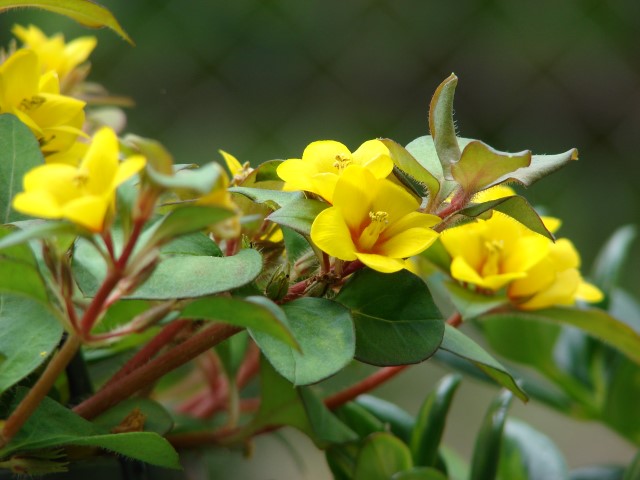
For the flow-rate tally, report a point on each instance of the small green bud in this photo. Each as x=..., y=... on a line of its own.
x=278, y=285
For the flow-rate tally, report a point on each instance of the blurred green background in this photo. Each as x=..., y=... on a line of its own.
x=263, y=78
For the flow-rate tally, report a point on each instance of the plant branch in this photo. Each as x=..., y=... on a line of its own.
x=148, y=373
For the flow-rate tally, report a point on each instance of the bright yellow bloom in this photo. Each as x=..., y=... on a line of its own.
x=85, y=194
x=373, y=220
x=53, y=52
x=323, y=162
x=56, y=120
x=500, y=252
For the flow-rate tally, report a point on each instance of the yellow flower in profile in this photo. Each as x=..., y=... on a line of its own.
x=56, y=120
x=373, y=220
x=85, y=194
x=492, y=253
x=323, y=162
x=555, y=280
x=53, y=52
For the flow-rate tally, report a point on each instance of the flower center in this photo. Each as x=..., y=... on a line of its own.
x=28, y=104
x=342, y=162
x=494, y=253
x=81, y=178
x=369, y=236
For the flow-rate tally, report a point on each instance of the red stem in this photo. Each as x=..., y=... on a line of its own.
x=154, y=369
x=364, y=386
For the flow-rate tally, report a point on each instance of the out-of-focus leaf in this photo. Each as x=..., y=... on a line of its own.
x=19, y=153
x=462, y=346
x=599, y=472
x=621, y=402
x=457, y=468
x=389, y=329
x=399, y=421
x=528, y=454
x=200, y=180
x=633, y=470
x=298, y=214
x=359, y=419
x=441, y=124
x=516, y=207
x=430, y=422
x=274, y=198
x=187, y=219
x=324, y=332
x=480, y=166
x=19, y=273
x=486, y=453
x=420, y=473
x=232, y=352
x=34, y=230
x=381, y=456
x=156, y=418
x=86, y=12
x=472, y=304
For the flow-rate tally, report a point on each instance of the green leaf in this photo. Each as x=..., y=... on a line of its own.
x=528, y=454
x=620, y=409
x=198, y=244
x=257, y=313
x=516, y=207
x=19, y=153
x=599, y=472
x=19, y=272
x=298, y=214
x=480, y=166
x=462, y=346
x=399, y=421
x=157, y=419
x=430, y=422
x=472, y=304
x=359, y=419
x=341, y=460
x=232, y=353
x=486, y=453
x=283, y=404
x=34, y=230
x=273, y=198
x=52, y=425
x=381, y=456
x=187, y=219
x=457, y=467
x=324, y=331
x=409, y=165
x=30, y=332
x=396, y=320
x=420, y=473
x=180, y=276
x=611, y=259
x=199, y=180
x=441, y=124
x=541, y=166
x=86, y=12
x=633, y=470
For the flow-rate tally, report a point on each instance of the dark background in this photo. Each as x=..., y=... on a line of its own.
x=263, y=78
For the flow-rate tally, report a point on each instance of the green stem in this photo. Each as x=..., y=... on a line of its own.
x=28, y=405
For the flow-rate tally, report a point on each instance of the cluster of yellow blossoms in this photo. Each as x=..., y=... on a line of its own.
x=377, y=221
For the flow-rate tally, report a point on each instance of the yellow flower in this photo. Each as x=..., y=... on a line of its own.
x=372, y=220
x=85, y=194
x=323, y=162
x=492, y=253
x=53, y=52
x=56, y=120
x=555, y=280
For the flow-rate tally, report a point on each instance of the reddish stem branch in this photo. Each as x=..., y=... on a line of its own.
x=156, y=368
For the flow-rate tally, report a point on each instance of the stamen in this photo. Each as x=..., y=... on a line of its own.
x=342, y=162
x=494, y=255
x=371, y=233
x=31, y=103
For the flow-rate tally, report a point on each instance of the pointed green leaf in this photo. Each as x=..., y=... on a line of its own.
x=480, y=166
x=19, y=153
x=30, y=333
x=298, y=214
x=273, y=198
x=359, y=419
x=527, y=453
x=19, y=272
x=430, y=422
x=200, y=180
x=35, y=230
x=612, y=258
x=187, y=219
x=399, y=421
x=409, y=165
x=249, y=313
x=541, y=166
x=86, y=12
x=389, y=329
x=324, y=331
x=441, y=124
x=462, y=346
x=53, y=425
x=381, y=456
x=516, y=207
x=486, y=453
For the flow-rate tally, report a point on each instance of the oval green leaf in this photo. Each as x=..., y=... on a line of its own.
x=381, y=456
x=399, y=421
x=324, y=331
x=187, y=219
x=396, y=320
x=420, y=473
x=298, y=214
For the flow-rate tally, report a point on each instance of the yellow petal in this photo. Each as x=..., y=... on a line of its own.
x=78, y=50
x=354, y=192
x=375, y=157
x=411, y=220
x=407, y=243
x=462, y=271
x=37, y=204
x=19, y=77
x=527, y=252
x=101, y=162
x=324, y=184
x=465, y=241
x=297, y=174
x=330, y=233
x=589, y=293
x=381, y=263
x=552, y=223
x=88, y=211
x=60, y=181
x=393, y=199
x=322, y=154
x=128, y=168
x=561, y=292
x=493, y=193
x=232, y=163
